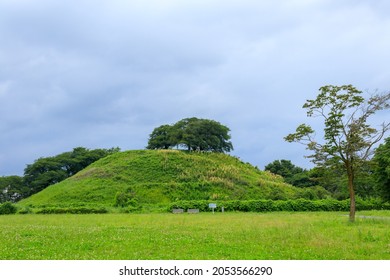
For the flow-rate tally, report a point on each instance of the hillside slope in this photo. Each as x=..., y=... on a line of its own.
x=163, y=176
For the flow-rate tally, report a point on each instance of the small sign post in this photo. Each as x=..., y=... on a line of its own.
x=212, y=206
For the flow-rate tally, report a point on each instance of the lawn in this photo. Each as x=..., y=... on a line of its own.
x=204, y=236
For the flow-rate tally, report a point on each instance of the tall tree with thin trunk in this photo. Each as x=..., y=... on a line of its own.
x=348, y=137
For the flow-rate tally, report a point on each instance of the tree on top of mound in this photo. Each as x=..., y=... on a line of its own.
x=193, y=134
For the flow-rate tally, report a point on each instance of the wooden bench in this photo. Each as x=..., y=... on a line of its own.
x=193, y=211
x=177, y=211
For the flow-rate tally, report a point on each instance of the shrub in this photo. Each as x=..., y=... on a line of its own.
x=291, y=205
x=131, y=209
x=313, y=193
x=7, y=208
x=232, y=205
x=202, y=205
x=76, y=210
x=125, y=199
x=25, y=210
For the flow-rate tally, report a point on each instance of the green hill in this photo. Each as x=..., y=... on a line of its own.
x=160, y=177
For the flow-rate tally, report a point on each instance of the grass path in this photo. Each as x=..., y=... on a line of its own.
x=205, y=236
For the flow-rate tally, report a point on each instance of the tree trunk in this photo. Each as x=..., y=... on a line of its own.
x=352, y=208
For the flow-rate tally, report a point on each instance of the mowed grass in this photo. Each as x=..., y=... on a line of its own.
x=204, y=236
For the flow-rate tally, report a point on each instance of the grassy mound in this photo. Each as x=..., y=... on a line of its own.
x=160, y=177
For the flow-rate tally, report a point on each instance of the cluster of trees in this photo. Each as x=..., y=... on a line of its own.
x=382, y=169
x=46, y=171
x=192, y=134
x=12, y=188
x=372, y=180
x=291, y=173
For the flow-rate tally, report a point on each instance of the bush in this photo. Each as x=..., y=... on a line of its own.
x=131, y=209
x=232, y=205
x=292, y=205
x=126, y=199
x=25, y=210
x=76, y=210
x=202, y=205
x=313, y=193
x=7, y=208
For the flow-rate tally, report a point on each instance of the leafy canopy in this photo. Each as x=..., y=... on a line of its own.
x=51, y=170
x=193, y=134
x=382, y=169
x=12, y=188
x=291, y=173
x=347, y=134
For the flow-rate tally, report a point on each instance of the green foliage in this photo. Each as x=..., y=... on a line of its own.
x=382, y=170
x=144, y=180
x=314, y=193
x=163, y=176
x=284, y=168
x=334, y=180
x=348, y=138
x=51, y=170
x=346, y=132
x=133, y=208
x=126, y=199
x=161, y=138
x=72, y=210
x=365, y=183
x=291, y=173
x=192, y=133
x=266, y=205
x=12, y=188
x=25, y=210
x=202, y=205
x=7, y=208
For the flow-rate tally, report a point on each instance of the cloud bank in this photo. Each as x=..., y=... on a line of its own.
x=102, y=74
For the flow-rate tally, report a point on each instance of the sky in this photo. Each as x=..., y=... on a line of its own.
x=105, y=73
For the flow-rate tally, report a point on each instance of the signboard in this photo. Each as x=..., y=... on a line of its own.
x=212, y=206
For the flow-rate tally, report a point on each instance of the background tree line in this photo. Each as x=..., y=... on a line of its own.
x=46, y=171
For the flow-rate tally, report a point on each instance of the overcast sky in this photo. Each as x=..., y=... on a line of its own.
x=102, y=74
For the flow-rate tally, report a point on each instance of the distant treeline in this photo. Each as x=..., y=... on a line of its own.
x=371, y=177
x=46, y=171
x=333, y=180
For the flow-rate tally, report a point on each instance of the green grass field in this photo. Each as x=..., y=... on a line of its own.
x=231, y=236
